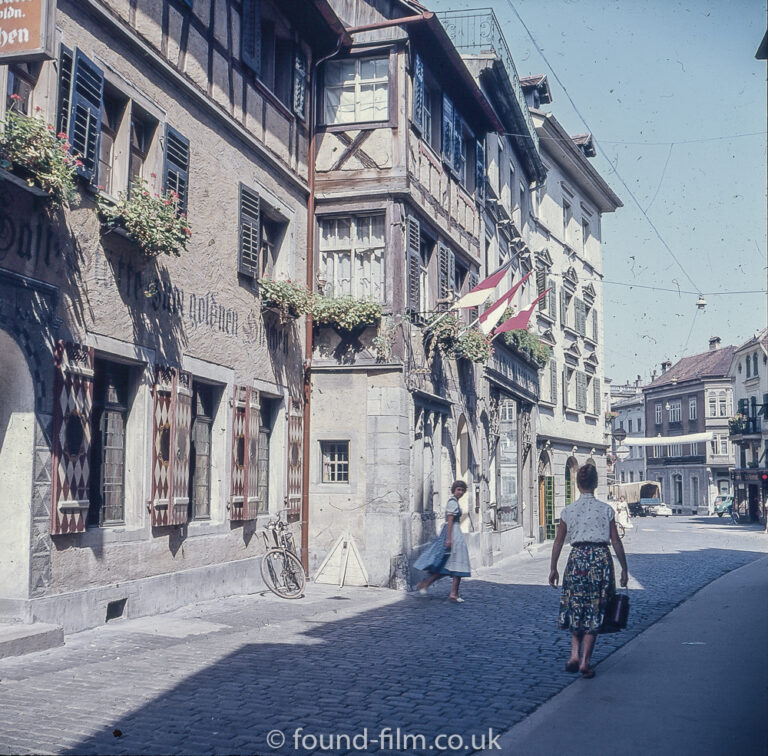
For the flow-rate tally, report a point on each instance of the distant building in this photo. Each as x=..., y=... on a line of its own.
x=693, y=396
x=748, y=429
x=629, y=410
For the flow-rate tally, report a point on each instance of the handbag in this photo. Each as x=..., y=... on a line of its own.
x=616, y=613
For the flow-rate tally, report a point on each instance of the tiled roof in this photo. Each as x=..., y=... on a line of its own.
x=711, y=364
x=758, y=338
x=532, y=81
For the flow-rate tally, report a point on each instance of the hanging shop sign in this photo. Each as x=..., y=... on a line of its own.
x=27, y=30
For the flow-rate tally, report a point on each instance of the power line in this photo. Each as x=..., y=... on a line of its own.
x=684, y=291
x=599, y=147
x=655, y=144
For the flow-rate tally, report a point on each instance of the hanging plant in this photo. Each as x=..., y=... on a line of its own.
x=442, y=333
x=31, y=148
x=526, y=343
x=473, y=345
x=152, y=220
x=345, y=313
x=289, y=299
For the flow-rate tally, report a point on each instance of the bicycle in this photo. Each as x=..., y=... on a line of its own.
x=281, y=568
x=735, y=518
x=620, y=530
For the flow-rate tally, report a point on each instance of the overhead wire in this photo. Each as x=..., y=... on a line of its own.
x=599, y=147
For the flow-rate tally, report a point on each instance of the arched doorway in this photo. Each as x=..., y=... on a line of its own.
x=17, y=433
x=571, y=469
x=463, y=472
x=546, y=497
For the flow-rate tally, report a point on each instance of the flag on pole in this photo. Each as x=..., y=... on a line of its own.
x=520, y=321
x=483, y=290
x=492, y=315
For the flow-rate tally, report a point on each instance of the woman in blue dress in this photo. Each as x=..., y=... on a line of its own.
x=447, y=554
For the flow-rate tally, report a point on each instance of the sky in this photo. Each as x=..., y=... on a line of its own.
x=664, y=86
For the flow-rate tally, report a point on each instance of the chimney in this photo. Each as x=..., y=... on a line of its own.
x=638, y=382
x=714, y=343
x=666, y=365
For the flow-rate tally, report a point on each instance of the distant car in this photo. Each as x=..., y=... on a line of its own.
x=723, y=505
x=659, y=510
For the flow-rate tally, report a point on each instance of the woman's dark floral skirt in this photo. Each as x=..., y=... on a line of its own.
x=588, y=585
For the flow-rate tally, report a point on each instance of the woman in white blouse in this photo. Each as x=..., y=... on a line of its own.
x=588, y=582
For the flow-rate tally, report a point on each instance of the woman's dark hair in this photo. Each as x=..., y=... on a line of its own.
x=459, y=484
x=587, y=477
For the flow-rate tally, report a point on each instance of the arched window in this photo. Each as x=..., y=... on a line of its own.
x=749, y=369
x=754, y=364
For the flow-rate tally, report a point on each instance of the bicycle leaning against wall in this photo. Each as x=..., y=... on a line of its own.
x=281, y=568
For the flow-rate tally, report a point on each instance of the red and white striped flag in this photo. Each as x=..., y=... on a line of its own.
x=520, y=321
x=476, y=296
x=492, y=315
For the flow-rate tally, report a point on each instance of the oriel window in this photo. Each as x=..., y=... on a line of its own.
x=110, y=415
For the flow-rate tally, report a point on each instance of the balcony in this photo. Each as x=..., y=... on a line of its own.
x=477, y=32
x=742, y=426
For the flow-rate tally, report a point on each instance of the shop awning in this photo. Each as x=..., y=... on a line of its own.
x=690, y=438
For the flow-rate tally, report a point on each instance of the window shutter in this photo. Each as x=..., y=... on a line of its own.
x=85, y=113
x=764, y=408
x=565, y=387
x=65, y=90
x=299, y=82
x=743, y=407
x=250, y=35
x=418, y=91
x=474, y=280
x=597, y=398
x=581, y=391
x=563, y=308
x=552, y=300
x=252, y=504
x=250, y=232
x=445, y=277
x=581, y=317
x=72, y=418
x=541, y=284
x=553, y=381
x=295, y=458
x=176, y=169
x=594, y=324
x=182, y=427
x=480, y=171
x=171, y=424
x=458, y=145
x=239, y=473
x=413, y=243
x=448, y=117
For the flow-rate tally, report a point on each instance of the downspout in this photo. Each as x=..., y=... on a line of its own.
x=306, y=444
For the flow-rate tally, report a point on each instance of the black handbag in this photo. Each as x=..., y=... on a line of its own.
x=616, y=613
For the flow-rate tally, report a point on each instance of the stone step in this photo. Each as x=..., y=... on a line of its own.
x=19, y=639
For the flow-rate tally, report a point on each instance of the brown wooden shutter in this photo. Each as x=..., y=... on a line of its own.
x=295, y=458
x=413, y=244
x=171, y=421
x=72, y=416
x=239, y=484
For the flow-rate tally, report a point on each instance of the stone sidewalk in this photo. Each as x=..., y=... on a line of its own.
x=219, y=677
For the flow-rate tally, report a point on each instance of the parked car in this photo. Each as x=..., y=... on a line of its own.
x=659, y=510
x=723, y=505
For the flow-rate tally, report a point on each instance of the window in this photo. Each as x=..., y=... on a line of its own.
x=659, y=451
x=523, y=204
x=749, y=367
x=691, y=407
x=426, y=104
x=631, y=476
x=712, y=404
x=112, y=110
x=567, y=215
x=177, y=166
x=203, y=413
x=723, y=444
x=693, y=449
x=356, y=90
x=335, y=461
x=675, y=411
x=510, y=188
x=658, y=413
x=110, y=415
x=143, y=129
x=584, y=233
x=22, y=78
x=426, y=247
x=352, y=256
x=639, y=424
x=260, y=236
x=721, y=403
x=754, y=364
x=676, y=450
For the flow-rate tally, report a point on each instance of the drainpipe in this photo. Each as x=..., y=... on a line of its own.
x=342, y=39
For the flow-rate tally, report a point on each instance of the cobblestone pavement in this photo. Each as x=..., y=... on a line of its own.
x=217, y=677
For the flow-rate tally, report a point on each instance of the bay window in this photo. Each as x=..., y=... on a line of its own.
x=352, y=256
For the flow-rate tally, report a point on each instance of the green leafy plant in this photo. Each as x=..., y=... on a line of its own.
x=32, y=147
x=526, y=343
x=448, y=335
x=473, y=345
x=152, y=220
x=289, y=299
x=610, y=415
x=345, y=313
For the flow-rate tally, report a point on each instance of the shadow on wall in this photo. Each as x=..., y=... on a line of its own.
x=388, y=668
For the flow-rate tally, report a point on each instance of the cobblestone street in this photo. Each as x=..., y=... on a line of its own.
x=218, y=677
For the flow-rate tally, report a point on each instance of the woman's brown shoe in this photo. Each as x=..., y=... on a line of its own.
x=588, y=673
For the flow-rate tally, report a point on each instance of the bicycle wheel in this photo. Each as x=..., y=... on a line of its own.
x=283, y=574
x=620, y=530
x=735, y=517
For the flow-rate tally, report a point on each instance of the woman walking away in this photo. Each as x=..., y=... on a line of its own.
x=447, y=554
x=588, y=583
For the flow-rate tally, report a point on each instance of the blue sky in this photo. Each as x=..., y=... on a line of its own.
x=665, y=72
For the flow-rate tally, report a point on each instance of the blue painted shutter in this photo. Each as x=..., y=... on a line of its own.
x=479, y=171
x=250, y=35
x=458, y=146
x=250, y=232
x=85, y=113
x=66, y=62
x=299, y=82
x=176, y=170
x=448, y=119
x=418, y=91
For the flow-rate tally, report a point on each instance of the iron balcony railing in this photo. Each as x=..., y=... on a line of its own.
x=745, y=426
x=477, y=32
